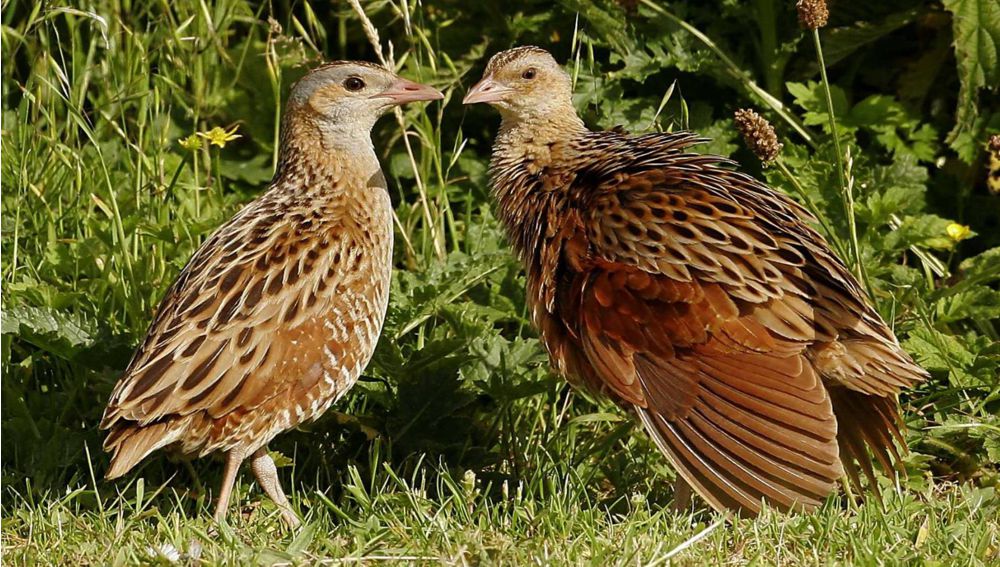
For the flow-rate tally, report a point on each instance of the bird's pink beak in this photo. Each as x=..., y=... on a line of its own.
x=486, y=90
x=404, y=91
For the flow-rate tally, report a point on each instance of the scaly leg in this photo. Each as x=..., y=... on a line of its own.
x=233, y=461
x=267, y=477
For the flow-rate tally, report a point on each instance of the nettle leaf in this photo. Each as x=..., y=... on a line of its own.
x=634, y=114
x=508, y=370
x=976, y=27
x=641, y=61
x=57, y=332
x=880, y=206
x=979, y=302
x=971, y=360
x=812, y=99
x=606, y=20
x=989, y=432
x=931, y=349
x=661, y=44
x=983, y=268
x=893, y=127
x=975, y=272
x=897, y=188
x=594, y=92
x=817, y=176
x=925, y=231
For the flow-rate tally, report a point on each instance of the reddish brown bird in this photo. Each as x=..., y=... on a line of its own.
x=696, y=296
x=279, y=311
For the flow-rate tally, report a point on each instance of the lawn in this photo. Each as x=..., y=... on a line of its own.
x=459, y=445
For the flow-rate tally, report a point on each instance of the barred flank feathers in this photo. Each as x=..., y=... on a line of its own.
x=129, y=445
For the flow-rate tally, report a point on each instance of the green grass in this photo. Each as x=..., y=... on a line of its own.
x=459, y=445
x=436, y=518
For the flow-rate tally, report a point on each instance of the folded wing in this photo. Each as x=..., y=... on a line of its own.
x=714, y=309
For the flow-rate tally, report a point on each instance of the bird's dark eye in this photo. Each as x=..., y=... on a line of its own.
x=354, y=84
x=529, y=74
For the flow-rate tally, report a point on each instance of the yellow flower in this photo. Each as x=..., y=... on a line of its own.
x=958, y=231
x=192, y=143
x=219, y=137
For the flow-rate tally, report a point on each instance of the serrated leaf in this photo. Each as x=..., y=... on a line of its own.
x=893, y=127
x=937, y=351
x=976, y=28
x=897, y=188
x=59, y=333
x=982, y=268
x=810, y=96
x=979, y=301
x=926, y=231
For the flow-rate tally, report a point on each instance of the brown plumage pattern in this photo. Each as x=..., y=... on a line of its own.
x=278, y=312
x=694, y=295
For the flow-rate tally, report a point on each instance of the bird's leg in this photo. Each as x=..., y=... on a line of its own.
x=267, y=476
x=682, y=495
x=233, y=461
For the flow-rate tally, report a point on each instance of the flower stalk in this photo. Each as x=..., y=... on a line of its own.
x=813, y=15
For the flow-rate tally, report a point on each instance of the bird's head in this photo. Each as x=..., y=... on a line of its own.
x=349, y=96
x=524, y=83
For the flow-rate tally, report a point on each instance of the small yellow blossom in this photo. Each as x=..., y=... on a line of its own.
x=219, y=137
x=192, y=143
x=958, y=231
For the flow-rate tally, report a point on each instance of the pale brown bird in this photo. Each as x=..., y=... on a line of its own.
x=694, y=295
x=276, y=315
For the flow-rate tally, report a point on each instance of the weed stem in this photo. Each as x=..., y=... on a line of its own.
x=846, y=189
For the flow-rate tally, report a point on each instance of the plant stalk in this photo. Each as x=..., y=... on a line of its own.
x=846, y=189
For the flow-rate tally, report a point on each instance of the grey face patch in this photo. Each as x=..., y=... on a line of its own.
x=330, y=73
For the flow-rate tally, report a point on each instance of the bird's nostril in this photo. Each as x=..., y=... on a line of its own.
x=412, y=88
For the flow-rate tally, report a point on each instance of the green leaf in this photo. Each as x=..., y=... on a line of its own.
x=840, y=42
x=893, y=127
x=976, y=27
x=979, y=302
x=606, y=20
x=976, y=271
x=253, y=171
x=57, y=332
x=810, y=96
x=928, y=231
x=897, y=188
x=982, y=268
x=937, y=351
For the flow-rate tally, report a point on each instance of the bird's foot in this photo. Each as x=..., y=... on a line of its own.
x=290, y=519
